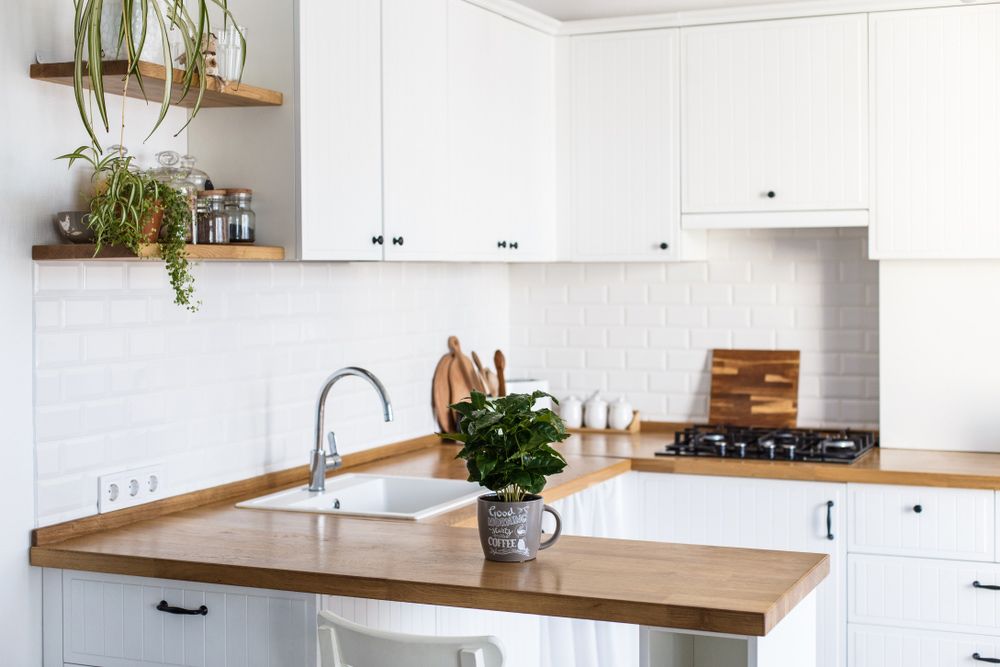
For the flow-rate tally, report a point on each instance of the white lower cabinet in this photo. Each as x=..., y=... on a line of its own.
x=759, y=514
x=877, y=646
x=113, y=621
x=953, y=596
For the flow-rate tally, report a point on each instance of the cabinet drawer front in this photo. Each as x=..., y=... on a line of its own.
x=112, y=621
x=921, y=521
x=924, y=593
x=873, y=646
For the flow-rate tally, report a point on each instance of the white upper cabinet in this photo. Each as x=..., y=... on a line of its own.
x=418, y=224
x=936, y=135
x=339, y=129
x=775, y=123
x=501, y=109
x=620, y=150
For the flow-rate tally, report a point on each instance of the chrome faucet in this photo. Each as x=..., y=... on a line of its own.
x=321, y=461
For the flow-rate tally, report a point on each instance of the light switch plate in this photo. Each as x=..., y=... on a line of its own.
x=129, y=488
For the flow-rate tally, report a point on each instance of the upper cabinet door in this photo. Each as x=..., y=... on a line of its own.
x=340, y=129
x=418, y=224
x=775, y=118
x=621, y=156
x=501, y=143
x=936, y=136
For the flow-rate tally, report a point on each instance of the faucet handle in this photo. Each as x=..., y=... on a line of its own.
x=333, y=458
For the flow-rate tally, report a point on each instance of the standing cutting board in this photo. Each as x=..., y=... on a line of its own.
x=755, y=388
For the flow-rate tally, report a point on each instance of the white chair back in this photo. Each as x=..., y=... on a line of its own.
x=346, y=644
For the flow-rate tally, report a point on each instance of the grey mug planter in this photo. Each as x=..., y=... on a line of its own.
x=512, y=532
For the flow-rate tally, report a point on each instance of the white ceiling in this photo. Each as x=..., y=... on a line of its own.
x=568, y=10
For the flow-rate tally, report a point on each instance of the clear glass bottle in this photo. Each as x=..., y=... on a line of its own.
x=240, y=218
x=212, y=226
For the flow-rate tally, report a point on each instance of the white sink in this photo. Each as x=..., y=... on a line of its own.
x=356, y=494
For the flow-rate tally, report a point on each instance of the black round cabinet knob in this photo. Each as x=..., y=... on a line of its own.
x=772, y=194
x=664, y=245
x=918, y=508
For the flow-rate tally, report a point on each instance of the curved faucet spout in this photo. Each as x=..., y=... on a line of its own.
x=320, y=461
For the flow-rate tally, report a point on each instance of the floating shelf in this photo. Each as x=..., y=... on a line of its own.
x=233, y=252
x=217, y=94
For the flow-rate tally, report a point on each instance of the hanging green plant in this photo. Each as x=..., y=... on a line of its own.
x=193, y=26
x=130, y=209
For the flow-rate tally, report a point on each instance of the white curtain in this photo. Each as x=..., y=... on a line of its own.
x=605, y=510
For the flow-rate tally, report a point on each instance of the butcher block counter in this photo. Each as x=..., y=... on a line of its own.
x=202, y=537
x=913, y=467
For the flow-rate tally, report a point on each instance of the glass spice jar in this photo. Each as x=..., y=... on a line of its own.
x=240, y=218
x=212, y=226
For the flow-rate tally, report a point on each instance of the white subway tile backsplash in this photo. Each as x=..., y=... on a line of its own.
x=809, y=290
x=124, y=377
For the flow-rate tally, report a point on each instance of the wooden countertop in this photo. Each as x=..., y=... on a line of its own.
x=667, y=585
x=966, y=470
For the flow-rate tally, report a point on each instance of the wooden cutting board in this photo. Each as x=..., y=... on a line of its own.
x=441, y=394
x=755, y=388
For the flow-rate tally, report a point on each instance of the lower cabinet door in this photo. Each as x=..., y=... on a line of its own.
x=113, y=621
x=876, y=646
x=759, y=514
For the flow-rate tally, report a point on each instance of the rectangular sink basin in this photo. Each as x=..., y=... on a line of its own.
x=357, y=494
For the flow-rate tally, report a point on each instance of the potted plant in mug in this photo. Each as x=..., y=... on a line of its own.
x=130, y=208
x=508, y=450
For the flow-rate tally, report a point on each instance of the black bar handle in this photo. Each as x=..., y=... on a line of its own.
x=988, y=587
x=180, y=611
x=992, y=661
x=829, y=519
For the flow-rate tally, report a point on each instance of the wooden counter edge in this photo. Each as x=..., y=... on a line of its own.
x=749, y=623
x=233, y=491
x=802, y=588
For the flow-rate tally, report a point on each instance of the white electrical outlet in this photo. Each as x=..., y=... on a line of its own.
x=129, y=488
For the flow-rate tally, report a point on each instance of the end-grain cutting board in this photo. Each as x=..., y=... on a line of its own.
x=755, y=388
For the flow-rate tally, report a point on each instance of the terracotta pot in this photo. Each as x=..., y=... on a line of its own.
x=512, y=532
x=154, y=221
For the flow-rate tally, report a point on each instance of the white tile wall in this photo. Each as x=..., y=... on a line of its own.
x=125, y=378
x=645, y=330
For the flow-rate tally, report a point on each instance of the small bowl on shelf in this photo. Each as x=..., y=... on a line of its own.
x=72, y=226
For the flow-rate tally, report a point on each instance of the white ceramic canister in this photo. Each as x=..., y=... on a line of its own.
x=571, y=411
x=595, y=412
x=620, y=414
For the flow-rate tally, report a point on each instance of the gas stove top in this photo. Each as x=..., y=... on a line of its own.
x=793, y=444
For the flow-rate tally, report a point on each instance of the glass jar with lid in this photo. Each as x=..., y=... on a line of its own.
x=172, y=174
x=212, y=226
x=240, y=218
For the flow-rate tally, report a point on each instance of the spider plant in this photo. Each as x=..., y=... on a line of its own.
x=124, y=210
x=193, y=27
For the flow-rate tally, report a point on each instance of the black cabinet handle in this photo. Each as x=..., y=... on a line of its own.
x=918, y=508
x=772, y=194
x=829, y=519
x=501, y=244
x=514, y=245
x=988, y=587
x=378, y=240
x=397, y=240
x=164, y=607
x=992, y=661
x=664, y=245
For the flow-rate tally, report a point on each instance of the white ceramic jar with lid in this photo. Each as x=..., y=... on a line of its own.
x=595, y=412
x=620, y=414
x=571, y=411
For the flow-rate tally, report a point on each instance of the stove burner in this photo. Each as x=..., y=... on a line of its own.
x=772, y=444
x=834, y=443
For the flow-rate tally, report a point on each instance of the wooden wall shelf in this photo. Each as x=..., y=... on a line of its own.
x=236, y=253
x=217, y=94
